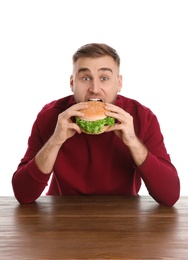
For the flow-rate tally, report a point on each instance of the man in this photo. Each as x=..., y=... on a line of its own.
x=112, y=163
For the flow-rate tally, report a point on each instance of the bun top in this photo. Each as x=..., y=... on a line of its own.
x=95, y=111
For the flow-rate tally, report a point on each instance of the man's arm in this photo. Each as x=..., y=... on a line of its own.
x=33, y=172
x=151, y=160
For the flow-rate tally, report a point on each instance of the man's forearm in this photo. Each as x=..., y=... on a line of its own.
x=46, y=157
x=138, y=151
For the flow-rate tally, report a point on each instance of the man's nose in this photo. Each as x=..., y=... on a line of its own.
x=95, y=86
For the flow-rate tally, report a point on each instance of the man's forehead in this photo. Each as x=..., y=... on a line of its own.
x=97, y=64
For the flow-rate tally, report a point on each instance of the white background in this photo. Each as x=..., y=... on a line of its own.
x=38, y=38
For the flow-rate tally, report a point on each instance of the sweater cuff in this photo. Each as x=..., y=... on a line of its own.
x=36, y=174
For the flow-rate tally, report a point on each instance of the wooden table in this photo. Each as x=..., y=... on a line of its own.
x=93, y=227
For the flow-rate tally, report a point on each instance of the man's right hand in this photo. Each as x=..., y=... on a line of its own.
x=65, y=127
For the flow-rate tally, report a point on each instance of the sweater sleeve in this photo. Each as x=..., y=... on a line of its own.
x=29, y=182
x=158, y=173
x=161, y=180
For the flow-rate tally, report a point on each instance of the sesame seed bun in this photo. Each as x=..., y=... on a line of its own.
x=95, y=111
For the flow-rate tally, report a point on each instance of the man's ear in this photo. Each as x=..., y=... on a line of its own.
x=119, y=83
x=71, y=82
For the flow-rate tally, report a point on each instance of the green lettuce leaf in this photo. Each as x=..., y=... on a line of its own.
x=94, y=127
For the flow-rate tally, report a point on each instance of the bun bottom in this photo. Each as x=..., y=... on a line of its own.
x=101, y=132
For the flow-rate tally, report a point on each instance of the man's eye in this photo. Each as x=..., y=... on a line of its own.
x=86, y=78
x=104, y=78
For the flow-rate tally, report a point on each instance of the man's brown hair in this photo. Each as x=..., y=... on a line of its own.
x=95, y=50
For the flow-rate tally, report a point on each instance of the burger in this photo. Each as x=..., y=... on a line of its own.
x=94, y=120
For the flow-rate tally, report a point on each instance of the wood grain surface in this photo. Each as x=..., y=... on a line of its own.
x=93, y=227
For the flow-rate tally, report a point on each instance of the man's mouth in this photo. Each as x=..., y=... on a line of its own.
x=95, y=99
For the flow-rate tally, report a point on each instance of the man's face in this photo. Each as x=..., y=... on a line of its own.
x=95, y=78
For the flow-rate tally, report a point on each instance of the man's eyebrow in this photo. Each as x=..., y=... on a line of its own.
x=104, y=69
x=88, y=70
x=83, y=69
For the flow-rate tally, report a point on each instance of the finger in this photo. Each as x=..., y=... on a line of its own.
x=73, y=126
x=119, y=117
x=70, y=113
x=79, y=106
x=111, y=107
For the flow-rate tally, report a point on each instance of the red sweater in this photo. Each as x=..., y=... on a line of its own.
x=98, y=164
